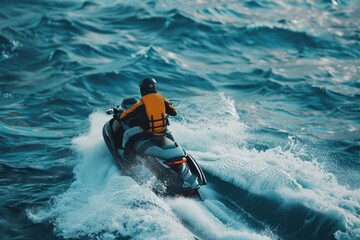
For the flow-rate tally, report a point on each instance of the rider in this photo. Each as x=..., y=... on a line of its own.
x=148, y=114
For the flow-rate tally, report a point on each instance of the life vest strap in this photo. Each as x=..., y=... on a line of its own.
x=152, y=123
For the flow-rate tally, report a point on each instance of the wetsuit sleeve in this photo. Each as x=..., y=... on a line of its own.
x=131, y=112
x=170, y=109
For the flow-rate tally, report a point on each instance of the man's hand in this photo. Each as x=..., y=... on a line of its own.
x=117, y=113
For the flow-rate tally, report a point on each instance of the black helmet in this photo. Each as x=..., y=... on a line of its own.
x=148, y=85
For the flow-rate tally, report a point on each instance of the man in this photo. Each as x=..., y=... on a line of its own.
x=148, y=114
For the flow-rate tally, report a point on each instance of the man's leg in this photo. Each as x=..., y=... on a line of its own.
x=130, y=137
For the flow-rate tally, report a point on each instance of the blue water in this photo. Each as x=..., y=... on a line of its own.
x=270, y=108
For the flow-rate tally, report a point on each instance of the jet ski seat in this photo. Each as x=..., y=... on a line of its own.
x=130, y=133
x=160, y=141
x=168, y=154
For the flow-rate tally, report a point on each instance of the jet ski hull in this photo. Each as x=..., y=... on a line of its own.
x=179, y=178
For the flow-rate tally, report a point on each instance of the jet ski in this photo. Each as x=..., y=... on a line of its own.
x=177, y=171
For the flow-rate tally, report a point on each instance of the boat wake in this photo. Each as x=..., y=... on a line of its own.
x=247, y=187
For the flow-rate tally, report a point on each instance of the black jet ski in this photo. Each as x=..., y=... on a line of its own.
x=178, y=172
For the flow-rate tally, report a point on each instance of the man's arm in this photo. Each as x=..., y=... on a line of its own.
x=169, y=108
x=131, y=112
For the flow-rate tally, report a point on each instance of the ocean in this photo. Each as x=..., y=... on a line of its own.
x=270, y=109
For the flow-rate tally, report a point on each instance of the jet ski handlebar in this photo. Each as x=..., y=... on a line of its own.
x=113, y=111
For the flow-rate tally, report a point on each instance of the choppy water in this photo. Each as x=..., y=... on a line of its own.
x=270, y=108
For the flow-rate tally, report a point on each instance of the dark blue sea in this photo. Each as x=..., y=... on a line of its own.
x=270, y=108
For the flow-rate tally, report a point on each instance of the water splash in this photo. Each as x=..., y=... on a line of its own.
x=279, y=173
x=103, y=204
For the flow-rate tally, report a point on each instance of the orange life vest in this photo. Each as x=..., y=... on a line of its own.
x=156, y=113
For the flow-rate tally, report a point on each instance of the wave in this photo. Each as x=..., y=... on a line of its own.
x=4, y=41
x=8, y=48
x=267, y=36
x=303, y=92
x=224, y=223
x=278, y=175
x=105, y=204
x=61, y=24
x=32, y=175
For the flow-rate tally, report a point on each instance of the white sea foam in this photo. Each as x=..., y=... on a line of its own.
x=211, y=220
x=278, y=173
x=103, y=204
x=9, y=51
